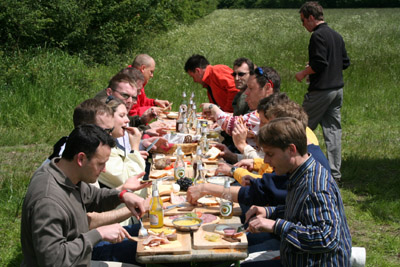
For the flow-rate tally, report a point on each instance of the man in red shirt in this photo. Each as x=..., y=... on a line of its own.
x=146, y=65
x=217, y=79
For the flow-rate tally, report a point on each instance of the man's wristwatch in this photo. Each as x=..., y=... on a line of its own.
x=233, y=169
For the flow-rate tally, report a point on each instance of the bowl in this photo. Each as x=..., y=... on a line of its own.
x=193, y=224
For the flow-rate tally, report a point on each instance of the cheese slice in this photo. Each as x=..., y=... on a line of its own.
x=166, y=230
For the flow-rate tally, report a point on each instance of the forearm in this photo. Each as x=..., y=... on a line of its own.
x=216, y=191
x=109, y=217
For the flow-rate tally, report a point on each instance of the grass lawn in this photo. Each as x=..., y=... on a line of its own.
x=41, y=88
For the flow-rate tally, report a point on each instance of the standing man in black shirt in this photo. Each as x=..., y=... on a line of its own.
x=323, y=101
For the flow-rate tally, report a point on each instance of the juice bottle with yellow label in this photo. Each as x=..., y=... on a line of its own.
x=156, y=212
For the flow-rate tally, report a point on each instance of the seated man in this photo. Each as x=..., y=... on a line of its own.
x=242, y=69
x=312, y=224
x=90, y=111
x=146, y=65
x=217, y=79
x=54, y=225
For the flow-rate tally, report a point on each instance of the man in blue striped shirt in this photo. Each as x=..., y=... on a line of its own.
x=312, y=224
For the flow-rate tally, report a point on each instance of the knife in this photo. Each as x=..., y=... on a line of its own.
x=152, y=144
x=175, y=206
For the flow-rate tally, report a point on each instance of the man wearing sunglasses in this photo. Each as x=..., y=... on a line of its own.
x=217, y=79
x=242, y=69
x=327, y=59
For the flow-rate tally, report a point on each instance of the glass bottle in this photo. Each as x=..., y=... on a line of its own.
x=185, y=128
x=198, y=128
x=156, y=212
x=199, y=178
x=193, y=116
x=197, y=159
x=204, y=141
x=184, y=102
x=226, y=207
x=179, y=168
x=179, y=121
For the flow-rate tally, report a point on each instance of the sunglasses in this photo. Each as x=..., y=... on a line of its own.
x=126, y=96
x=260, y=71
x=240, y=74
x=109, y=130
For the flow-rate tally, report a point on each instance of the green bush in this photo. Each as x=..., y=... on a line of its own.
x=97, y=29
x=298, y=3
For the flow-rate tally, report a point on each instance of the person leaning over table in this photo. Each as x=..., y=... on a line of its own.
x=263, y=83
x=217, y=79
x=54, y=225
x=146, y=65
x=268, y=112
x=312, y=224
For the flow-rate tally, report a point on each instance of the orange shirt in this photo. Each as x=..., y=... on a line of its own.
x=219, y=78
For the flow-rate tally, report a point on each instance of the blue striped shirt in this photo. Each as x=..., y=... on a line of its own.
x=312, y=225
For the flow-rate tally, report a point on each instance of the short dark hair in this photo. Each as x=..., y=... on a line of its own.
x=268, y=102
x=133, y=73
x=196, y=61
x=239, y=61
x=268, y=74
x=282, y=132
x=120, y=78
x=312, y=8
x=86, y=138
x=86, y=112
x=287, y=109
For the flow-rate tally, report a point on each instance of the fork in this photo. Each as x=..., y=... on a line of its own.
x=142, y=231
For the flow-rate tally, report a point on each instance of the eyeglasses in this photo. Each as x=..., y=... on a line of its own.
x=109, y=130
x=126, y=96
x=240, y=74
x=260, y=71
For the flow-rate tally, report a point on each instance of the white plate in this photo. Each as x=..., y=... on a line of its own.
x=172, y=115
x=220, y=180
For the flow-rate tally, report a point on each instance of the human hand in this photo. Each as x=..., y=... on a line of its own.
x=135, y=204
x=150, y=114
x=239, y=136
x=300, y=76
x=134, y=137
x=113, y=233
x=162, y=103
x=255, y=211
x=134, y=184
x=246, y=164
x=246, y=180
x=162, y=142
x=144, y=154
x=226, y=153
x=259, y=224
x=159, y=131
x=224, y=168
x=195, y=192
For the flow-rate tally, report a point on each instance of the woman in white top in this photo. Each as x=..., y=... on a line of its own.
x=121, y=166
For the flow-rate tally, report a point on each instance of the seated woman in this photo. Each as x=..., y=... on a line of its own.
x=120, y=166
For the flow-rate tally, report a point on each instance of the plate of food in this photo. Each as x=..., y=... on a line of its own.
x=187, y=224
x=220, y=180
x=205, y=217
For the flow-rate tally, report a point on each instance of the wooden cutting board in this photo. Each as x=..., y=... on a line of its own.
x=183, y=245
x=199, y=242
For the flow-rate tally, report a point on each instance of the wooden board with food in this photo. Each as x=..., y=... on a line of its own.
x=211, y=236
x=159, y=244
x=206, y=217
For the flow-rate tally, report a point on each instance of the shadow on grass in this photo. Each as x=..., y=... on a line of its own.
x=16, y=261
x=376, y=184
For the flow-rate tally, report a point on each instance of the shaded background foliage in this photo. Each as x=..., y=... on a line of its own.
x=96, y=29
x=298, y=3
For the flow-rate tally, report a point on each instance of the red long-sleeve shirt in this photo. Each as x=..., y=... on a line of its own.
x=143, y=104
x=219, y=78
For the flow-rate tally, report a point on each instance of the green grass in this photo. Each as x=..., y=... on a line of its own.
x=41, y=88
